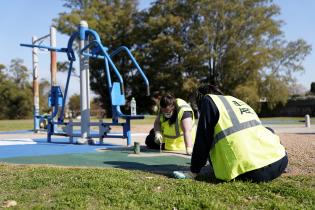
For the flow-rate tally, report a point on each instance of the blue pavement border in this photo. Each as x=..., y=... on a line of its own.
x=42, y=148
x=17, y=132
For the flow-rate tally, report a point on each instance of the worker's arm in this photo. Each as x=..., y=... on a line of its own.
x=187, y=126
x=157, y=126
x=209, y=116
x=158, y=137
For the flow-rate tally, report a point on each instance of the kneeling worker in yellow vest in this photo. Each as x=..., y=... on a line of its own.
x=230, y=134
x=174, y=126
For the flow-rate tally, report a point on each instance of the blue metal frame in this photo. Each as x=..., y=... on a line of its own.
x=94, y=50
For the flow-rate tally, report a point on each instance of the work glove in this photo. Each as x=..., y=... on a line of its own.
x=189, y=150
x=158, y=137
x=184, y=175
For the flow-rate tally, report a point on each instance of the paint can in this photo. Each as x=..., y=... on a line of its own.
x=136, y=148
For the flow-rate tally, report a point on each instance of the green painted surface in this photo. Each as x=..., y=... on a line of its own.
x=113, y=159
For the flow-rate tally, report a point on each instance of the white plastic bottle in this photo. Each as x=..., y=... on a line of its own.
x=133, y=106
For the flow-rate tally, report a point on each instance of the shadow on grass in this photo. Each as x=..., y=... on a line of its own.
x=165, y=169
x=157, y=167
x=206, y=174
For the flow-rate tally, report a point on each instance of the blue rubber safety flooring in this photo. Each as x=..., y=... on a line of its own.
x=61, y=153
x=41, y=147
x=39, y=151
x=16, y=132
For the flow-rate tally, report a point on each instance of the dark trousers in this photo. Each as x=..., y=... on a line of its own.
x=266, y=173
x=149, y=141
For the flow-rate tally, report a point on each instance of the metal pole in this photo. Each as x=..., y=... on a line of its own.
x=53, y=57
x=88, y=85
x=84, y=86
x=307, y=121
x=53, y=61
x=35, y=85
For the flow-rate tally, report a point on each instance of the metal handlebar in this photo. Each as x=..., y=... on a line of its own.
x=45, y=47
x=124, y=48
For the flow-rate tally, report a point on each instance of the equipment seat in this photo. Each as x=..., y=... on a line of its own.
x=118, y=99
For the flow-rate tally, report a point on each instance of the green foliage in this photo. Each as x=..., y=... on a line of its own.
x=237, y=45
x=64, y=66
x=15, y=92
x=114, y=21
x=74, y=104
x=249, y=93
x=275, y=90
x=18, y=72
x=2, y=72
x=2, y=66
x=91, y=188
x=16, y=102
x=44, y=89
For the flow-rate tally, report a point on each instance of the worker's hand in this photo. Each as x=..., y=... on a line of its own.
x=189, y=150
x=184, y=175
x=158, y=137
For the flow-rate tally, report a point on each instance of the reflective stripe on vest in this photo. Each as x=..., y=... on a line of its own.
x=237, y=126
x=177, y=132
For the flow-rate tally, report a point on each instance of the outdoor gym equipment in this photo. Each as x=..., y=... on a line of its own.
x=40, y=120
x=90, y=46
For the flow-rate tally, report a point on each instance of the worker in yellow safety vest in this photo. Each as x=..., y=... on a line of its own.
x=231, y=135
x=174, y=126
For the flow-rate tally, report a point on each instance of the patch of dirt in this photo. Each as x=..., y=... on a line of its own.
x=134, y=128
x=301, y=153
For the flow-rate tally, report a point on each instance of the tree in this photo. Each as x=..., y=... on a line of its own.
x=113, y=20
x=275, y=90
x=18, y=72
x=312, y=88
x=297, y=89
x=237, y=45
x=44, y=90
x=2, y=67
x=15, y=92
x=74, y=104
x=64, y=67
x=16, y=103
x=285, y=58
x=2, y=72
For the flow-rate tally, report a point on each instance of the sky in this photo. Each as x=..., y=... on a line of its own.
x=299, y=17
x=22, y=19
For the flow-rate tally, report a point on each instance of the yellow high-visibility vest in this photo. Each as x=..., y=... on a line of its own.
x=241, y=143
x=173, y=135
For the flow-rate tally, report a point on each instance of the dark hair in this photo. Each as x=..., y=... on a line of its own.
x=167, y=100
x=204, y=90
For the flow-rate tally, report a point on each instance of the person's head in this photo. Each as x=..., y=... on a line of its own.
x=167, y=105
x=204, y=90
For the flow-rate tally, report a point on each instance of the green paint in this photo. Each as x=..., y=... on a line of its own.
x=113, y=159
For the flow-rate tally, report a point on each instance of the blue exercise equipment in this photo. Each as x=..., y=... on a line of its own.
x=57, y=100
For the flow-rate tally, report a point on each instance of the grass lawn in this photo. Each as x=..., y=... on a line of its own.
x=43, y=187
x=94, y=188
x=11, y=125
x=285, y=120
